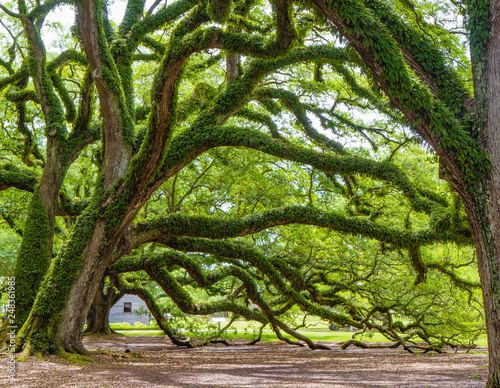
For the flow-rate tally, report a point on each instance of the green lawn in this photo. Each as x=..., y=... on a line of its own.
x=315, y=335
x=268, y=335
x=141, y=332
x=317, y=331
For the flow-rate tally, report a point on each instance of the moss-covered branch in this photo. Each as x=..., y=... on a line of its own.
x=292, y=102
x=210, y=227
x=425, y=59
x=230, y=250
x=185, y=302
x=37, y=64
x=261, y=119
x=129, y=288
x=154, y=264
x=13, y=176
x=379, y=47
x=153, y=22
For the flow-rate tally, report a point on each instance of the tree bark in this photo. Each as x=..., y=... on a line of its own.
x=484, y=207
x=98, y=316
x=486, y=232
x=232, y=63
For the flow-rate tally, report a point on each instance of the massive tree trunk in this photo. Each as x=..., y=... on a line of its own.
x=66, y=294
x=484, y=214
x=482, y=204
x=484, y=209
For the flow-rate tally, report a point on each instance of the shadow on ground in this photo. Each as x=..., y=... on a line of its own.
x=265, y=365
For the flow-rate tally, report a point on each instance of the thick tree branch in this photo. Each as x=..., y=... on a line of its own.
x=209, y=227
x=433, y=119
x=117, y=120
x=13, y=176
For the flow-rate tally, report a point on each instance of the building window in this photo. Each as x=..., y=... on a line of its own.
x=127, y=307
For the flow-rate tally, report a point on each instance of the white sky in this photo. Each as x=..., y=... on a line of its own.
x=65, y=15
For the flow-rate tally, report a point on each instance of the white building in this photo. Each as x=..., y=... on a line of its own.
x=125, y=310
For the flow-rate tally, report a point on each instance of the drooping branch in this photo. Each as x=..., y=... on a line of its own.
x=129, y=288
x=426, y=60
x=11, y=222
x=209, y=227
x=13, y=176
x=187, y=305
x=277, y=324
x=235, y=251
x=153, y=264
x=433, y=119
x=363, y=345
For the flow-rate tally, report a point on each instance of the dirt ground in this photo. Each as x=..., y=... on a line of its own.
x=266, y=365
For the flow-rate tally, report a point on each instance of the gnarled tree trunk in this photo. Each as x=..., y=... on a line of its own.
x=98, y=316
x=484, y=208
x=484, y=215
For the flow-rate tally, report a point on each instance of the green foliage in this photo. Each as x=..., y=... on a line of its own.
x=218, y=10
x=301, y=186
x=44, y=343
x=33, y=258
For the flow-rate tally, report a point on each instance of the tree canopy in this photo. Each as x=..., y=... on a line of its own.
x=252, y=157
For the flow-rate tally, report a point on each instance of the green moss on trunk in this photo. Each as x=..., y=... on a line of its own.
x=33, y=258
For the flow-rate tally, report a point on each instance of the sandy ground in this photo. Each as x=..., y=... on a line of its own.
x=266, y=365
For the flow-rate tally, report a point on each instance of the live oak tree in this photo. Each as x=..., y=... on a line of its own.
x=98, y=316
x=163, y=91
x=360, y=285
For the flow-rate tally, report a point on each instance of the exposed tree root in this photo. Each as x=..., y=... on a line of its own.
x=23, y=356
x=74, y=357
x=364, y=345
